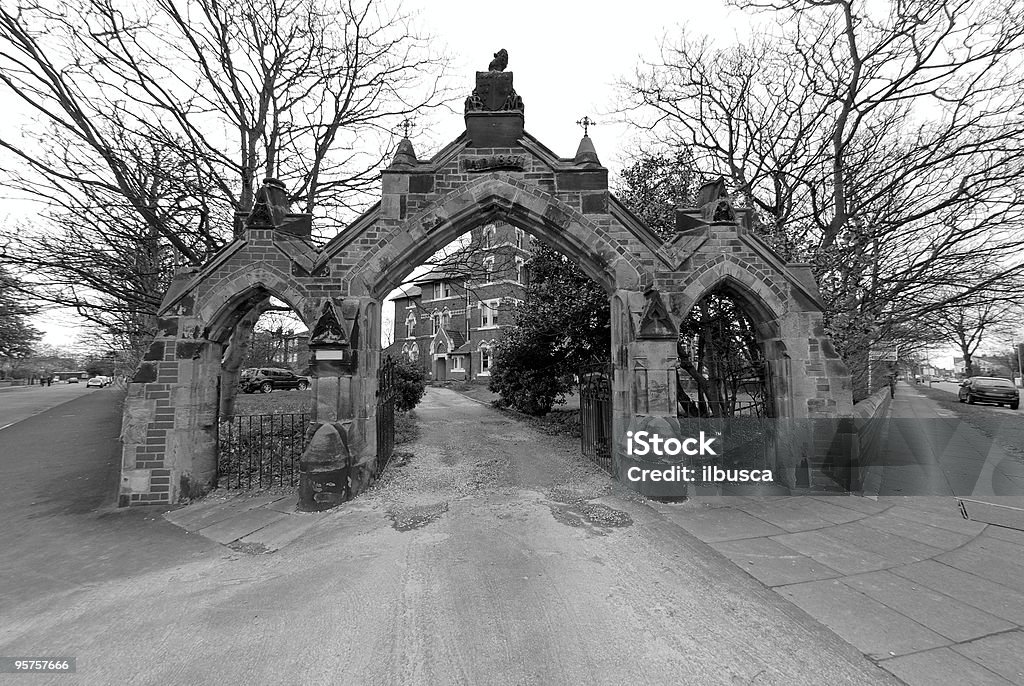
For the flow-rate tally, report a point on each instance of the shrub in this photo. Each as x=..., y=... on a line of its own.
x=527, y=375
x=411, y=384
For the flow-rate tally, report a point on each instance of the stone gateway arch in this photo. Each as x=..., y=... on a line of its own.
x=494, y=171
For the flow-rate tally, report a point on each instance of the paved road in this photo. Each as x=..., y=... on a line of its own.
x=489, y=555
x=61, y=533
x=21, y=402
x=943, y=448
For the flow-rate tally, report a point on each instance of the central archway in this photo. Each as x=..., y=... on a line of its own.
x=484, y=201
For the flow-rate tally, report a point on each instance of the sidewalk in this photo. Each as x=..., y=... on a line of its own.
x=930, y=596
x=254, y=524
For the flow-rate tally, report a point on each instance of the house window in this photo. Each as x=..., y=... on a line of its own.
x=435, y=323
x=438, y=290
x=489, y=313
x=488, y=237
x=457, y=364
x=486, y=359
x=488, y=268
x=410, y=325
x=519, y=238
x=520, y=268
x=411, y=351
x=446, y=289
x=446, y=318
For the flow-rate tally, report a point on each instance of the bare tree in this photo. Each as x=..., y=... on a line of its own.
x=969, y=326
x=151, y=123
x=887, y=149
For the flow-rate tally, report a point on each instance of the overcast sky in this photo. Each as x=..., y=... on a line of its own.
x=566, y=57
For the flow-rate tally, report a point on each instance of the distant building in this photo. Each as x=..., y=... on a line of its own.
x=449, y=322
x=284, y=348
x=986, y=366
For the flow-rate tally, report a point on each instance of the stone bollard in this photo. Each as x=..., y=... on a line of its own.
x=324, y=470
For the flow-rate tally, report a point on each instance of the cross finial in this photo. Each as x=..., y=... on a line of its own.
x=586, y=123
x=406, y=125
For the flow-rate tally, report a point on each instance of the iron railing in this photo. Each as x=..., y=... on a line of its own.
x=596, y=414
x=386, y=391
x=260, y=450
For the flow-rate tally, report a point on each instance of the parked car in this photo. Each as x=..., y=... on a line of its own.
x=267, y=379
x=73, y=379
x=96, y=381
x=988, y=389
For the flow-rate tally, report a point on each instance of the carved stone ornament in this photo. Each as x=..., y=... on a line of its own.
x=270, y=205
x=494, y=93
x=655, y=321
x=328, y=331
x=494, y=162
x=723, y=212
x=500, y=61
x=712, y=191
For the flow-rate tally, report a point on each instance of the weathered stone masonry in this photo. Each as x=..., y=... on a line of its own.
x=495, y=171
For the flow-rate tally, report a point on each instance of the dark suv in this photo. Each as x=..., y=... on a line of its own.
x=267, y=379
x=987, y=389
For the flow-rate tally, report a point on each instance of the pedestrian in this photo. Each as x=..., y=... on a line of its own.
x=892, y=385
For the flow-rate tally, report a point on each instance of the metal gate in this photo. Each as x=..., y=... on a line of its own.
x=260, y=450
x=387, y=389
x=596, y=414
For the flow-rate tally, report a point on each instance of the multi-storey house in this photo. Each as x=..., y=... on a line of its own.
x=450, y=319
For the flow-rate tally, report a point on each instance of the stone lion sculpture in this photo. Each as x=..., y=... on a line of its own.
x=500, y=61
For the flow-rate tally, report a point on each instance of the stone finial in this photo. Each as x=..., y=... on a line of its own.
x=714, y=202
x=499, y=62
x=711, y=191
x=586, y=154
x=405, y=156
x=270, y=206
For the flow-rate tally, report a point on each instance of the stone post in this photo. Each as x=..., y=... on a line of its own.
x=338, y=459
x=644, y=382
x=169, y=432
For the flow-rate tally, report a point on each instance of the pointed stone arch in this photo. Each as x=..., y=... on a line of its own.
x=484, y=201
x=226, y=303
x=736, y=277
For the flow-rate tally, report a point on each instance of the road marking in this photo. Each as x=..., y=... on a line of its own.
x=7, y=425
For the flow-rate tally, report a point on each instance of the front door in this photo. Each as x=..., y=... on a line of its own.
x=440, y=369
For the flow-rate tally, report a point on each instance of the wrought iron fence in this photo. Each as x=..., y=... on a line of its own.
x=260, y=450
x=596, y=414
x=743, y=422
x=386, y=392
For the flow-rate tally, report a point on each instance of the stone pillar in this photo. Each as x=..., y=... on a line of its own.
x=338, y=461
x=644, y=380
x=169, y=433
